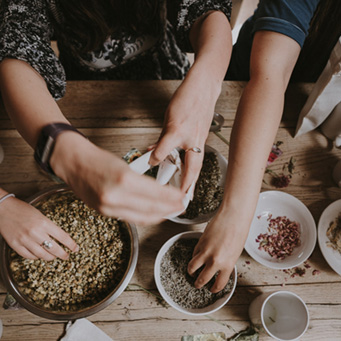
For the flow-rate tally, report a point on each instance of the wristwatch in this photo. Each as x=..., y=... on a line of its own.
x=46, y=143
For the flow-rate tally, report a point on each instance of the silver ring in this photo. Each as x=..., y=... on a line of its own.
x=193, y=149
x=47, y=244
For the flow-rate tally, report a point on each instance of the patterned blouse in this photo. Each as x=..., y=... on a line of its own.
x=26, y=29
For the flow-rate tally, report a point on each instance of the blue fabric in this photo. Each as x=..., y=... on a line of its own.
x=289, y=17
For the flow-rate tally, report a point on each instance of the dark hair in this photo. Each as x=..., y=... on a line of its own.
x=324, y=32
x=91, y=22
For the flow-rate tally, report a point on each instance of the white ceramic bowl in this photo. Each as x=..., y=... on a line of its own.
x=333, y=257
x=281, y=204
x=203, y=311
x=206, y=217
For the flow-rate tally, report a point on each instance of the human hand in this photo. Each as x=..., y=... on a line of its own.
x=25, y=229
x=106, y=183
x=218, y=249
x=187, y=122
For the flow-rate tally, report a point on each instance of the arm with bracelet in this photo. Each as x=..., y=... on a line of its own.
x=30, y=233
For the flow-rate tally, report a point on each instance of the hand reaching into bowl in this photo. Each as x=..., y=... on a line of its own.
x=30, y=233
x=218, y=250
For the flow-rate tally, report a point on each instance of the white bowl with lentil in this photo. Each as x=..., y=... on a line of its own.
x=176, y=286
x=90, y=279
x=282, y=233
x=209, y=190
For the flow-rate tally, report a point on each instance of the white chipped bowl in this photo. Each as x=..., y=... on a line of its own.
x=280, y=203
x=204, y=218
x=202, y=311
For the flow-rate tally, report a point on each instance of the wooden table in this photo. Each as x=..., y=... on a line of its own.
x=121, y=115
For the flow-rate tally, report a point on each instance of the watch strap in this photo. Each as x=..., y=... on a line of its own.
x=46, y=143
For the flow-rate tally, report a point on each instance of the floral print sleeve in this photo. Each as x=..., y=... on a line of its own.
x=25, y=34
x=189, y=11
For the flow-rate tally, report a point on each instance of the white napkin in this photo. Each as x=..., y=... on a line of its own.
x=84, y=330
x=325, y=95
x=170, y=171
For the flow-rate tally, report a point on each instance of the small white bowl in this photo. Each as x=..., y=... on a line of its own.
x=333, y=257
x=202, y=311
x=281, y=204
x=206, y=217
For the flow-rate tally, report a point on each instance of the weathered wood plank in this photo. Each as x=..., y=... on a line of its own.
x=132, y=116
x=142, y=104
x=160, y=329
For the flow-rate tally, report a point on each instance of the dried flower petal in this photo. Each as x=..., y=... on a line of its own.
x=284, y=235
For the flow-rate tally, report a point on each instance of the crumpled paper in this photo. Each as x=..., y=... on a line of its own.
x=170, y=171
x=325, y=95
x=84, y=330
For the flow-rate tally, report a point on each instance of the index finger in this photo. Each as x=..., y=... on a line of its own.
x=193, y=164
x=162, y=150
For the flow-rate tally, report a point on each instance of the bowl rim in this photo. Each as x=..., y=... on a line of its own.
x=165, y=296
x=331, y=256
x=204, y=218
x=280, y=265
x=64, y=315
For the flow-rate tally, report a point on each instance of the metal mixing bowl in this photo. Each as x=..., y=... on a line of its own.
x=13, y=288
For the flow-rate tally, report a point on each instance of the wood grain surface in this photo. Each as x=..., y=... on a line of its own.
x=120, y=115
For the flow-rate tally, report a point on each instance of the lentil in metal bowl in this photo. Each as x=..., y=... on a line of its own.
x=90, y=279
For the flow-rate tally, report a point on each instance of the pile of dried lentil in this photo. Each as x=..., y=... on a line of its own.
x=208, y=193
x=88, y=275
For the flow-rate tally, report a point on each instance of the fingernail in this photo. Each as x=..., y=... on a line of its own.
x=198, y=284
x=76, y=249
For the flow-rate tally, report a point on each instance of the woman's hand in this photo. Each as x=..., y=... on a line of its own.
x=187, y=122
x=190, y=112
x=25, y=229
x=106, y=183
x=218, y=250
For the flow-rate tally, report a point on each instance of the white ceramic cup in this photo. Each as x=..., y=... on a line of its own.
x=282, y=314
x=331, y=127
x=337, y=173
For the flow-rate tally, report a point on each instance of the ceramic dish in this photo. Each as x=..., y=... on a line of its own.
x=206, y=217
x=202, y=311
x=333, y=257
x=277, y=204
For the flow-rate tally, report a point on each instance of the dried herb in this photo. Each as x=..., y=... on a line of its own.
x=179, y=285
x=281, y=181
x=249, y=334
x=208, y=193
x=88, y=275
x=282, y=237
x=334, y=234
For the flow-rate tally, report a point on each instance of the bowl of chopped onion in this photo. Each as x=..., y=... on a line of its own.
x=282, y=233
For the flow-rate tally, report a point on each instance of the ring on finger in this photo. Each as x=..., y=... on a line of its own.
x=193, y=149
x=47, y=244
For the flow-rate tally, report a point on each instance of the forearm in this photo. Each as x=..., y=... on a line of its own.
x=211, y=40
x=27, y=99
x=254, y=131
x=258, y=116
